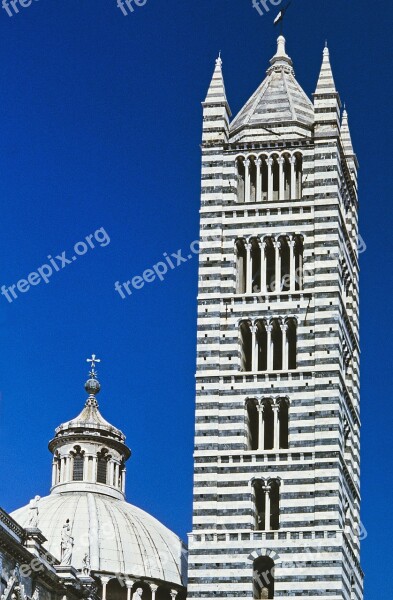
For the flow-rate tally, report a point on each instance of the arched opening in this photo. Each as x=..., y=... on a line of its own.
x=298, y=175
x=274, y=504
x=102, y=466
x=285, y=266
x=276, y=178
x=287, y=177
x=252, y=425
x=292, y=344
x=140, y=591
x=115, y=590
x=256, y=265
x=263, y=578
x=277, y=345
x=240, y=180
x=163, y=594
x=245, y=347
x=268, y=424
x=241, y=267
x=262, y=346
x=270, y=266
x=253, y=180
x=283, y=416
x=299, y=262
x=264, y=173
x=78, y=460
x=259, y=503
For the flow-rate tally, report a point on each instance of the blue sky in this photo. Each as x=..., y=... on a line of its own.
x=100, y=126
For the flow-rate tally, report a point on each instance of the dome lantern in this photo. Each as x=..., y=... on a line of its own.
x=89, y=454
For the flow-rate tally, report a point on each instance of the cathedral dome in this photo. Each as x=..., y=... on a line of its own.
x=86, y=520
x=117, y=536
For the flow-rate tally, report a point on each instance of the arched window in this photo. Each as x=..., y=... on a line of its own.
x=240, y=179
x=287, y=177
x=261, y=346
x=241, y=267
x=253, y=181
x=268, y=425
x=298, y=172
x=252, y=425
x=283, y=418
x=245, y=347
x=276, y=178
x=270, y=265
x=285, y=266
x=102, y=466
x=276, y=341
x=263, y=569
x=299, y=262
x=267, y=504
x=292, y=343
x=256, y=265
x=78, y=460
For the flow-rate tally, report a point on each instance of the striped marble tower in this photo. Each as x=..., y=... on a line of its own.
x=276, y=478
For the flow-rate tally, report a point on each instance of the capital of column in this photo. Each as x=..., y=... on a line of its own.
x=277, y=244
x=258, y=162
x=284, y=327
x=280, y=160
x=129, y=583
x=153, y=587
x=270, y=162
x=105, y=579
x=269, y=328
x=174, y=594
x=253, y=328
x=293, y=160
x=247, y=163
x=291, y=242
x=266, y=489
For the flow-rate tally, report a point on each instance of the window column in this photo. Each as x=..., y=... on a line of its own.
x=293, y=178
x=269, y=329
x=129, y=584
x=153, y=588
x=269, y=179
x=258, y=164
x=277, y=246
x=263, y=267
x=292, y=265
x=276, y=427
x=281, y=178
x=247, y=180
x=104, y=581
x=248, y=269
x=285, y=350
x=254, y=348
x=266, y=489
x=261, y=428
x=94, y=469
x=123, y=480
x=54, y=472
x=117, y=467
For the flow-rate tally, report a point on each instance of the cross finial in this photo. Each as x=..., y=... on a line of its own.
x=93, y=360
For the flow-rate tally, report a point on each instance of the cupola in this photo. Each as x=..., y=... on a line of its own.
x=89, y=454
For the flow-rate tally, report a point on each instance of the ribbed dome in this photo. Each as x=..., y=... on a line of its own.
x=278, y=99
x=119, y=537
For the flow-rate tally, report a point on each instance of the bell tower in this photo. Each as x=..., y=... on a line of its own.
x=276, y=462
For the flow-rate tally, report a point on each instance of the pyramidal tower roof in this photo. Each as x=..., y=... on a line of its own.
x=326, y=83
x=346, y=136
x=216, y=93
x=278, y=99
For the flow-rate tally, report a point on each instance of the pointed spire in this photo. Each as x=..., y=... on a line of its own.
x=281, y=57
x=346, y=136
x=326, y=83
x=216, y=111
x=216, y=93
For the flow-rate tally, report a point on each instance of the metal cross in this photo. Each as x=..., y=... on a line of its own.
x=93, y=360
